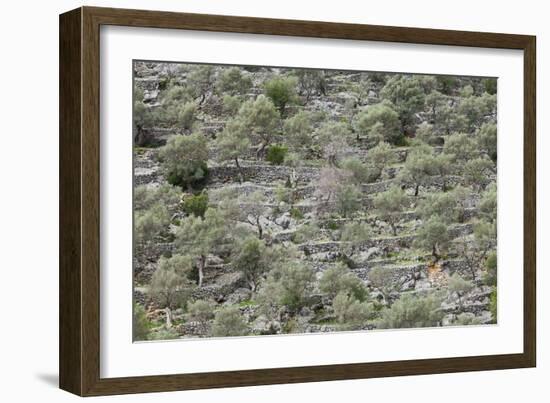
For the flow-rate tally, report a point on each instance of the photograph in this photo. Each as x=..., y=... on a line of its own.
x=275, y=200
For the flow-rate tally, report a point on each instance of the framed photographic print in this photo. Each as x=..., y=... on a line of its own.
x=249, y=201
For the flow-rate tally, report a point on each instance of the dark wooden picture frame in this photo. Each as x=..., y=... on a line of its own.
x=79, y=317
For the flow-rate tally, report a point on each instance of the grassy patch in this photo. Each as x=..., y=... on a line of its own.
x=248, y=302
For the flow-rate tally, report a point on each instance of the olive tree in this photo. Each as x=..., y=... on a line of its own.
x=461, y=147
x=290, y=284
x=354, y=234
x=474, y=251
x=407, y=94
x=348, y=199
x=447, y=84
x=411, y=311
x=333, y=139
x=254, y=259
x=233, y=143
x=310, y=82
x=379, y=122
x=419, y=167
x=379, y=157
x=184, y=160
x=166, y=195
x=383, y=279
x=339, y=279
x=425, y=132
x=253, y=206
x=260, y=121
x=171, y=96
x=390, y=204
x=360, y=172
x=186, y=115
x=199, y=237
x=231, y=104
x=433, y=235
x=229, y=322
x=150, y=224
x=298, y=130
x=448, y=120
x=445, y=205
x=282, y=91
x=487, y=139
x=200, y=81
x=476, y=109
x=143, y=116
x=232, y=81
x=350, y=312
x=225, y=200
x=170, y=284
x=435, y=100
x=477, y=172
x=442, y=167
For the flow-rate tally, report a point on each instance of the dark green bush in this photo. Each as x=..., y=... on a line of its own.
x=446, y=84
x=276, y=154
x=490, y=85
x=194, y=179
x=402, y=141
x=196, y=204
x=282, y=91
x=296, y=213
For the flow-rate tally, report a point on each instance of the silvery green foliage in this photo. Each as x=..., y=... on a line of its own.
x=280, y=200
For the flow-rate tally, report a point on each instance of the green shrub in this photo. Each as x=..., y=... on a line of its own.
x=296, y=213
x=339, y=279
x=350, y=312
x=233, y=81
x=140, y=323
x=231, y=104
x=401, y=141
x=490, y=85
x=490, y=275
x=229, y=322
x=196, y=204
x=186, y=115
x=276, y=154
x=176, y=178
x=282, y=91
x=446, y=84
x=412, y=311
x=183, y=160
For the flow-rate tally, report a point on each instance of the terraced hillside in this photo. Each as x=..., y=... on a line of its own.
x=272, y=200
